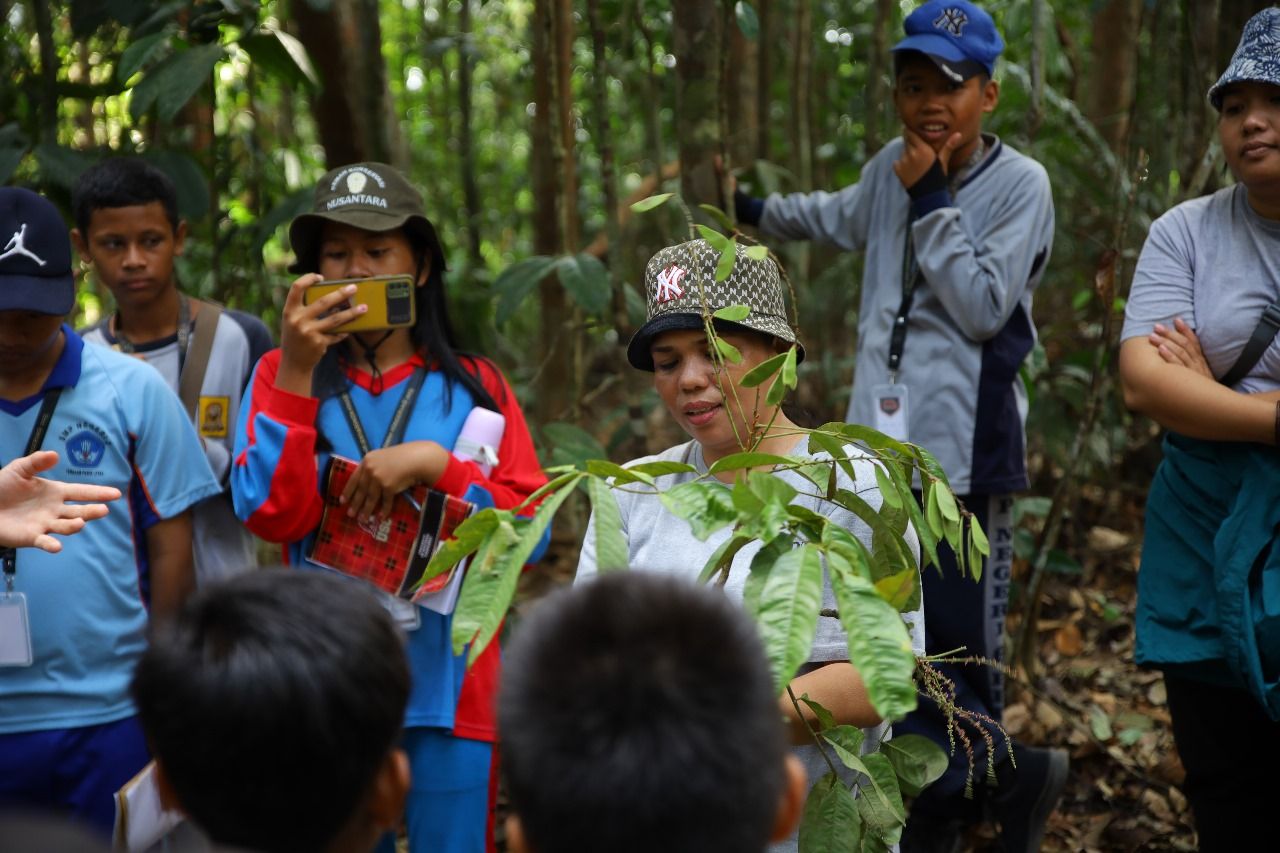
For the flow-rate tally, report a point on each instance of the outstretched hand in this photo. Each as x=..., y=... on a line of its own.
x=32, y=508
x=919, y=156
x=1180, y=345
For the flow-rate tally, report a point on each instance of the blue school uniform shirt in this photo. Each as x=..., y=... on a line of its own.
x=116, y=424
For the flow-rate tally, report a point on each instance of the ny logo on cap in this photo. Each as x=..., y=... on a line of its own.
x=952, y=20
x=669, y=284
x=15, y=247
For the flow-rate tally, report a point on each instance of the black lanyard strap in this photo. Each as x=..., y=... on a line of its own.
x=910, y=280
x=9, y=556
x=399, y=420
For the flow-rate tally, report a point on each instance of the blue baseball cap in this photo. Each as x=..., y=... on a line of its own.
x=35, y=255
x=1257, y=57
x=958, y=36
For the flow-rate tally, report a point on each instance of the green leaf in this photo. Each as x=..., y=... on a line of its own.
x=845, y=739
x=586, y=279
x=494, y=584
x=932, y=514
x=822, y=442
x=60, y=166
x=830, y=822
x=732, y=313
x=879, y=643
x=918, y=761
x=979, y=537
x=749, y=459
x=728, y=351
x=514, y=284
x=873, y=439
x=788, y=610
x=902, y=590
x=647, y=204
x=707, y=507
x=824, y=717
x=789, y=367
x=929, y=463
x=139, y=53
x=281, y=55
x=620, y=476
x=728, y=255
x=183, y=76
x=467, y=537
x=777, y=391
x=572, y=444
x=662, y=467
x=747, y=20
x=762, y=371
x=947, y=503
x=188, y=180
x=611, y=545
x=892, y=551
x=757, y=253
x=887, y=490
x=718, y=215
x=717, y=240
x=881, y=807
x=723, y=556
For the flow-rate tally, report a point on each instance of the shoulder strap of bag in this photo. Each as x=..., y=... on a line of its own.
x=1263, y=334
x=192, y=379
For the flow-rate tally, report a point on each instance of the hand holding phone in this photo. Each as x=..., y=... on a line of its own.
x=389, y=301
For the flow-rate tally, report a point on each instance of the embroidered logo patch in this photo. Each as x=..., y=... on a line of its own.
x=669, y=284
x=890, y=405
x=85, y=450
x=356, y=182
x=211, y=416
x=952, y=20
x=15, y=247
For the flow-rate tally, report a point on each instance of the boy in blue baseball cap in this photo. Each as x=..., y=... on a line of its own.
x=956, y=228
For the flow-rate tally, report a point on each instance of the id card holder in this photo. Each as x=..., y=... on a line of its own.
x=15, y=630
x=891, y=410
x=405, y=613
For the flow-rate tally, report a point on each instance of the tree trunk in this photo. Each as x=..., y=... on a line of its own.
x=1112, y=69
x=564, y=36
x=604, y=145
x=744, y=99
x=653, y=103
x=764, y=71
x=470, y=191
x=353, y=106
x=697, y=40
x=48, y=73
x=801, y=92
x=878, y=71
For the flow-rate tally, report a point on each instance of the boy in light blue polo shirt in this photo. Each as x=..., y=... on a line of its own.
x=73, y=624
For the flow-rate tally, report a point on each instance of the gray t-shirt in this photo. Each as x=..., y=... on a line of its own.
x=659, y=542
x=1214, y=262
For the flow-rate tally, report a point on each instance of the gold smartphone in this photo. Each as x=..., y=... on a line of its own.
x=389, y=297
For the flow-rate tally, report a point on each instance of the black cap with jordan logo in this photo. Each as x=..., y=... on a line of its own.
x=372, y=196
x=35, y=255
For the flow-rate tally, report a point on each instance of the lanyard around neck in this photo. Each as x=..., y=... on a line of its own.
x=399, y=420
x=184, y=332
x=9, y=556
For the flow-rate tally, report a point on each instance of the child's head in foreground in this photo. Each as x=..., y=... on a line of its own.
x=637, y=713
x=273, y=706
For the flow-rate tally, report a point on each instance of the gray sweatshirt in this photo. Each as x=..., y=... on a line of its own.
x=980, y=254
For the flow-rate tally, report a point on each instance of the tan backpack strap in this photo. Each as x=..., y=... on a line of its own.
x=197, y=361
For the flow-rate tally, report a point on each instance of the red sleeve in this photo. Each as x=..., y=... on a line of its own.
x=274, y=479
x=518, y=473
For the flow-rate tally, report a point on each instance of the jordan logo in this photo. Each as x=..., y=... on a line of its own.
x=15, y=247
x=669, y=284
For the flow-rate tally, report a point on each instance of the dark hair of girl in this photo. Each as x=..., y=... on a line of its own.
x=432, y=336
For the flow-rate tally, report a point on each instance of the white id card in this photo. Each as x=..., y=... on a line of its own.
x=15, y=631
x=891, y=410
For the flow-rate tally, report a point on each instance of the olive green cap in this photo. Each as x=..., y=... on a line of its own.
x=372, y=196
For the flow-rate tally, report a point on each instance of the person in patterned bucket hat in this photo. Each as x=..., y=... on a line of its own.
x=680, y=289
x=707, y=399
x=1199, y=356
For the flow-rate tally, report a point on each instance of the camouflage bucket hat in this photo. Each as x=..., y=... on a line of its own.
x=680, y=285
x=372, y=196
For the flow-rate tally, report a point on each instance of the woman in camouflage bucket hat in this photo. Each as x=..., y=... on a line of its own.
x=1204, y=293
x=705, y=396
